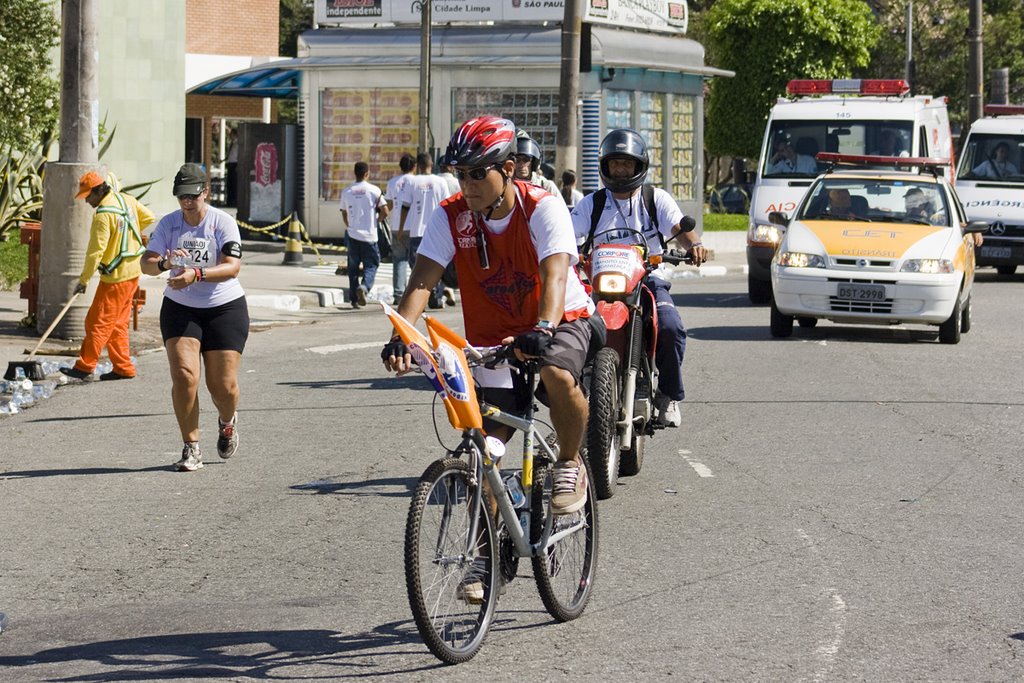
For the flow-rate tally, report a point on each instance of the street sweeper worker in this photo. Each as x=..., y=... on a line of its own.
x=115, y=246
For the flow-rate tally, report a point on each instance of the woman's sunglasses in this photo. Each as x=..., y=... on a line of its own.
x=478, y=173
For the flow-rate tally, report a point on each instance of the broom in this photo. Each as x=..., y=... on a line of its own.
x=33, y=369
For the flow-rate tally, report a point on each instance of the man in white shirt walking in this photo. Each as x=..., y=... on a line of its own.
x=419, y=197
x=399, y=245
x=361, y=205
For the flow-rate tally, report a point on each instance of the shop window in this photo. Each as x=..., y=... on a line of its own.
x=683, y=133
x=377, y=126
x=535, y=111
x=650, y=124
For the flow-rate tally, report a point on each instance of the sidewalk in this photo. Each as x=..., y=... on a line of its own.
x=283, y=294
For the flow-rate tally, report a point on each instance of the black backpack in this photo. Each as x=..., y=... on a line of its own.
x=600, y=197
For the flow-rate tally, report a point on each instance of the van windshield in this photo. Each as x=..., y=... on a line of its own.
x=991, y=156
x=877, y=200
x=793, y=144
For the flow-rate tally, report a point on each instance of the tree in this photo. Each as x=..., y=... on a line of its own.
x=940, y=47
x=767, y=43
x=296, y=16
x=29, y=94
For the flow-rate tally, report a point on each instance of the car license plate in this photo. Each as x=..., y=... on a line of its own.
x=996, y=252
x=861, y=292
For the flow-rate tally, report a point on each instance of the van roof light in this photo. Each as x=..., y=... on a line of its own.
x=848, y=86
x=925, y=163
x=1003, y=109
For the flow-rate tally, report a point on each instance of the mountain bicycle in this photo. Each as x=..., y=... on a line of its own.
x=458, y=555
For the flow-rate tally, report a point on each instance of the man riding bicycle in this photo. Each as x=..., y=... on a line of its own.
x=514, y=253
x=626, y=203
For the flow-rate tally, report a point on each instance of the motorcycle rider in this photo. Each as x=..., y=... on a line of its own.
x=528, y=163
x=624, y=163
x=514, y=253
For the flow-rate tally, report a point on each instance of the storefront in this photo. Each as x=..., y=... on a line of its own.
x=360, y=94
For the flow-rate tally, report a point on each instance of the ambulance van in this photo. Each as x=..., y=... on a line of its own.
x=851, y=117
x=990, y=184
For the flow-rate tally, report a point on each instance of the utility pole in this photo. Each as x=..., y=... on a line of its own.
x=425, y=18
x=975, y=70
x=911, y=66
x=66, y=221
x=567, y=147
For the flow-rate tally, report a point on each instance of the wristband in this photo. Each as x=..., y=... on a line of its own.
x=202, y=274
x=198, y=276
x=696, y=244
x=160, y=265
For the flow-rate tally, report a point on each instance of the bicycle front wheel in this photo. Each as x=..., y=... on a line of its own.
x=452, y=580
x=565, y=571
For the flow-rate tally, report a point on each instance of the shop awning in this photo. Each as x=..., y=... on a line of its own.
x=276, y=80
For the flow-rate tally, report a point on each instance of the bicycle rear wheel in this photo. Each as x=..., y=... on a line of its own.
x=452, y=593
x=565, y=571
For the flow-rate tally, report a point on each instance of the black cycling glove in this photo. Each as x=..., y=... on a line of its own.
x=533, y=343
x=396, y=347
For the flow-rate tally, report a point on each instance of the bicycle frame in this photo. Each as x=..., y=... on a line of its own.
x=444, y=362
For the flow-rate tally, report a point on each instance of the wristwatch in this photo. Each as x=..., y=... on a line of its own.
x=545, y=325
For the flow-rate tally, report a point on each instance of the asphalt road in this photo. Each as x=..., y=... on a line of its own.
x=843, y=505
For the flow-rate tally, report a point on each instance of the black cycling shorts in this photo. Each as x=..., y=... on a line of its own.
x=221, y=328
x=573, y=346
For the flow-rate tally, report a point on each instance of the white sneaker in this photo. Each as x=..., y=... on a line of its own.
x=191, y=458
x=227, y=438
x=668, y=411
x=449, y=296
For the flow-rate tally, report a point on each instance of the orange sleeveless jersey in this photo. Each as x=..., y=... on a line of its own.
x=503, y=300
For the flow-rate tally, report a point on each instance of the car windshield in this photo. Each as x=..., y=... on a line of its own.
x=794, y=144
x=993, y=157
x=876, y=200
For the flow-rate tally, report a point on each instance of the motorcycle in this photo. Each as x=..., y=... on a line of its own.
x=623, y=376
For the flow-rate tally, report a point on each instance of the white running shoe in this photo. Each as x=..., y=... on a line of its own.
x=191, y=458
x=668, y=411
x=227, y=439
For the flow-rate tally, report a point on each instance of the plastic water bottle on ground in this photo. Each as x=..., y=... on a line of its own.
x=103, y=367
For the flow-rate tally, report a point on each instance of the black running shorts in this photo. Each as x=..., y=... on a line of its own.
x=221, y=328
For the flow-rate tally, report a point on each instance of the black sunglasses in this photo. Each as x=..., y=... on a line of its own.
x=478, y=173
x=188, y=197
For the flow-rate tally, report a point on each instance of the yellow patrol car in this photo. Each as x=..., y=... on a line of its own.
x=876, y=240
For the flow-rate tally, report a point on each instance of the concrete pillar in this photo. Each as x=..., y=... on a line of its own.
x=64, y=237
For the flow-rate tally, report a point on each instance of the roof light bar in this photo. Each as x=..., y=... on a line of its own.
x=1003, y=109
x=873, y=160
x=848, y=86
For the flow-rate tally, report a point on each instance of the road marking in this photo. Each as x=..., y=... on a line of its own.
x=828, y=651
x=700, y=468
x=336, y=348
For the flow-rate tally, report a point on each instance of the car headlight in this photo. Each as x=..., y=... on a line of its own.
x=796, y=259
x=927, y=265
x=765, y=234
x=610, y=283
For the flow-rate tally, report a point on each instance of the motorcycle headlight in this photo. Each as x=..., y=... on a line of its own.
x=764, y=234
x=610, y=283
x=927, y=265
x=796, y=259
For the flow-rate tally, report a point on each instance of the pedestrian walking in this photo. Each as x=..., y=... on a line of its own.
x=115, y=245
x=362, y=204
x=204, y=318
x=421, y=194
x=399, y=240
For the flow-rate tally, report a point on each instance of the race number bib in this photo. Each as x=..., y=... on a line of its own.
x=199, y=252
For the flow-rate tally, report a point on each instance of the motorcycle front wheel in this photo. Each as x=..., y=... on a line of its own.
x=603, y=438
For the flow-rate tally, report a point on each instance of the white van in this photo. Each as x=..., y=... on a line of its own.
x=991, y=185
x=851, y=117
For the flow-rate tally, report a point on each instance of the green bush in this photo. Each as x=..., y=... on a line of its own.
x=718, y=222
x=13, y=261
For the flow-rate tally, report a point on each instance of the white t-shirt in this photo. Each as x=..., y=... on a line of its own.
x=453, y=182
x=360, y=200
x=203, y=243
x=394, y=190
x=628, y=213
x=575, y=196
x=422, y=194
x=549, y=229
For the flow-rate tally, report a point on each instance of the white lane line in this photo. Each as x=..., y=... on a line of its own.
x=698, y=467
x=827, y=651
x=336, y=348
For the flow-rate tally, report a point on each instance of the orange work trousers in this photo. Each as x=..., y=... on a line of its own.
x=106, y=325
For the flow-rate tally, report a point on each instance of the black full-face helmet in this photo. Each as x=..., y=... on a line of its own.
x=624, y=143
x=528, y=146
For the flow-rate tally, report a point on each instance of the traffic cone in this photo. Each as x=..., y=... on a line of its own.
x=293, y=245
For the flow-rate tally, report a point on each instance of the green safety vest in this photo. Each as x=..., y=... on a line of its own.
x=122, y=210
